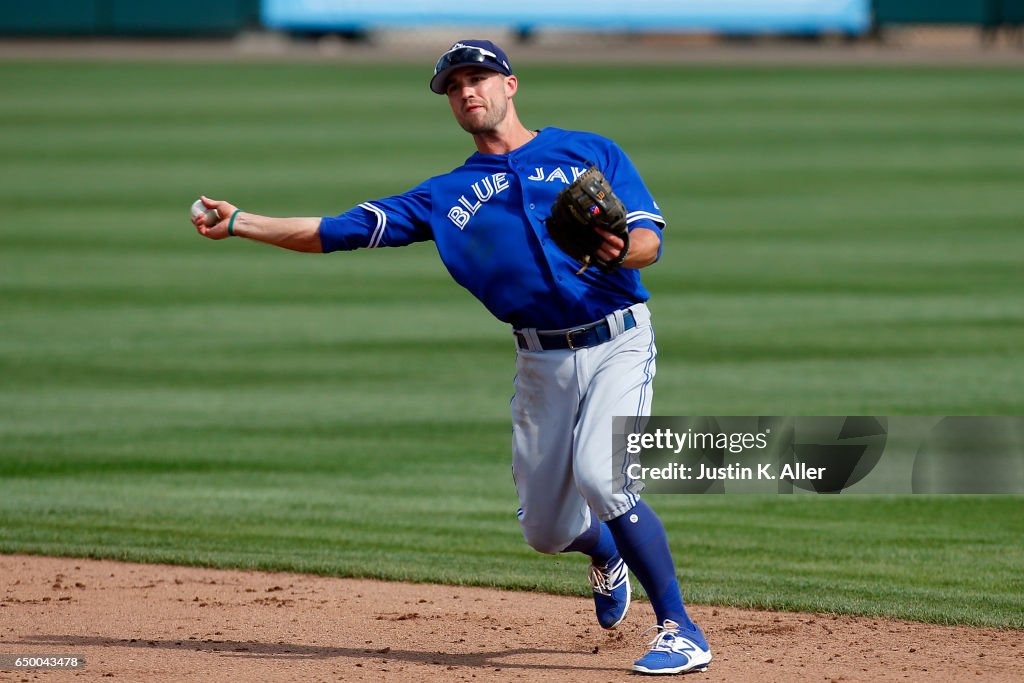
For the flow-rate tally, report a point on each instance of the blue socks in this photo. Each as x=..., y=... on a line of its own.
x=639, y=537
x=597, y=542
x=641, y=540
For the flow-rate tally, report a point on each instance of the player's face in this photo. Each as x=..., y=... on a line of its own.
x=479, y=99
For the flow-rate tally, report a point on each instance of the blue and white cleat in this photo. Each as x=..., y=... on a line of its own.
x=671, y=652
x=611, y=592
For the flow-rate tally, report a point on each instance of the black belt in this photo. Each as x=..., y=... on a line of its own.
x=578, y=337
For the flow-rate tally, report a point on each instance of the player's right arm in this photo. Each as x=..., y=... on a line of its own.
x=389, y=222
x=297, y=234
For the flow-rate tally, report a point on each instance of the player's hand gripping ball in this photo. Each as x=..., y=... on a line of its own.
x=587, y=204
x=198, y=209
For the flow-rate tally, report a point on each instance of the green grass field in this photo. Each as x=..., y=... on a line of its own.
x=842, y=241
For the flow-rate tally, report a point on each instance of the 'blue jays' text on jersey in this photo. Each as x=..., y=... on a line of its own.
x=487, y=219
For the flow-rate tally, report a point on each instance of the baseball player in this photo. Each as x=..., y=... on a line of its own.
x=585, y=345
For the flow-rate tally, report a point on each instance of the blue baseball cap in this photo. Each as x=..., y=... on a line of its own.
x=480, y=53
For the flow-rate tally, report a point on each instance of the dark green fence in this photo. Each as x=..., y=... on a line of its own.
x=983, y=12
x=1011, y=11
x=127, y=17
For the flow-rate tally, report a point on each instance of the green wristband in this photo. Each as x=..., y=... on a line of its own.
x=231, y=223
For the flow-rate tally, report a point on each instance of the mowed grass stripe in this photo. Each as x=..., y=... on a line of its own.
x=841, y=241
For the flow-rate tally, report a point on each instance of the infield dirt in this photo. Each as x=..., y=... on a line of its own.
x=162, y=623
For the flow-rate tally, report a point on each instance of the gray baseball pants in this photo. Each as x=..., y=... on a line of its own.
x=562, y=429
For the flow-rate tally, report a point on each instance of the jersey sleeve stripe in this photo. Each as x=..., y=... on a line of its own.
x=634, y=216
x=382, y=221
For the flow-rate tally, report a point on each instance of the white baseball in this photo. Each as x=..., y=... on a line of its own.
x=212, y=217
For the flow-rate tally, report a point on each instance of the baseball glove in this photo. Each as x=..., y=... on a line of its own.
x=586, y=204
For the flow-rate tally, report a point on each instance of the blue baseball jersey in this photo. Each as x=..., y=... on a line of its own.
x=487, y=220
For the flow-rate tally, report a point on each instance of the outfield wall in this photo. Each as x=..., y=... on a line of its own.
x=723, y=16
x=228, y=17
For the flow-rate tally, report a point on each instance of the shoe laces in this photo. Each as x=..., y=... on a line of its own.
x=665, y=633
x=603, y=579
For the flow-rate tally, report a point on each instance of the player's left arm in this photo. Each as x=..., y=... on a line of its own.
x=644, y=245
x=643, y=217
